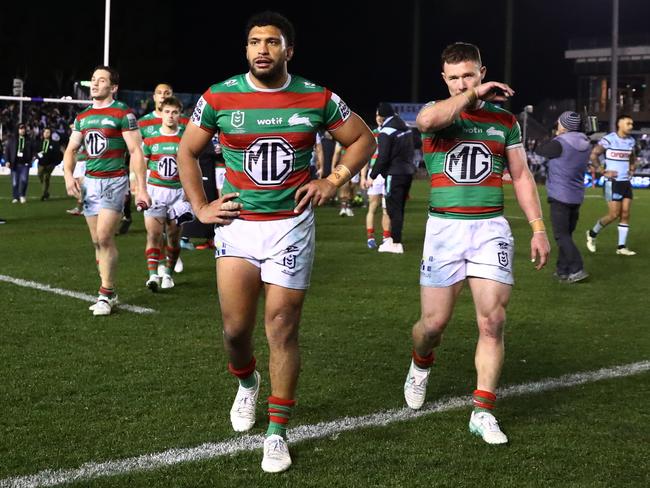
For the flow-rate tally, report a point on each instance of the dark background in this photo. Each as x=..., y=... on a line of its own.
x=360, y=50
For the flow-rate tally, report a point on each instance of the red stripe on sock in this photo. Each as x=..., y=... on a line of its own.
x=423, y=361
x=281, y=401
x=487, y=406
x=244, y=372
x=485, y=394
x=386, y=234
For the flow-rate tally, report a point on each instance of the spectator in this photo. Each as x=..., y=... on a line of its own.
x=18, y=157
x=49, y=155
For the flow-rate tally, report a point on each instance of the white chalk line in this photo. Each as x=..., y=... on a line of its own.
x=69, y=293
x=150, y=462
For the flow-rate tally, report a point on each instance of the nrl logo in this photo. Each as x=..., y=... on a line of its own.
x=237, y=119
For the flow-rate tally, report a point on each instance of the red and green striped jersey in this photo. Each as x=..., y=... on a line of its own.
x=160, y=151
x=150, y=124
x=81, y=154
x=466, y=161
x=102, y=137
x=267, y=138
x=373, y=158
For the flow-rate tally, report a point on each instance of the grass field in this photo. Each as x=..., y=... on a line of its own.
x=79, y=389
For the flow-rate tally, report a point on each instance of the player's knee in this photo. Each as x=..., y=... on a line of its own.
x=433, y=326
x=235, y=335
x=491, y=326
x=282, y=329
x=105, y=241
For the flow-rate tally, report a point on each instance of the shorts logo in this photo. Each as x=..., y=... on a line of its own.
x=503, y=258
x=220, y=248
x=237, y=119
x=289, y=261
x=468, y=163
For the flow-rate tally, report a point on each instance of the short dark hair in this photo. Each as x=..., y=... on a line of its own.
x=173, y=101
x=460, y=51
x=621, y=117
x=114, y=76
x=275, y=19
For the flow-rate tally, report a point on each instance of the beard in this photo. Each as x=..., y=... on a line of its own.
x=271, y=75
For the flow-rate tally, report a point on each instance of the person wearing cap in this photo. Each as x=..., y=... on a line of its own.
x=568, y=157
x=395, y=163
x=19, y=155
x=618, y=149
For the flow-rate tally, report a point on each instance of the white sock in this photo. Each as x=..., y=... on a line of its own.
x=622, y=234
x=598, y=227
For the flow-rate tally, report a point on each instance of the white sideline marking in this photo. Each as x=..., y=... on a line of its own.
x=149, y=462
x=69, y=293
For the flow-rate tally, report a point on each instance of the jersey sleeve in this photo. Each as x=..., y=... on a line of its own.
x=606, y=143
x=513, y=137
x=336, y=111
x=77, y=124
x=146, y=150
x=204, y=114
x=128, y=121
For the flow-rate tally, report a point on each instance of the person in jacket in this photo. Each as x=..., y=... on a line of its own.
x=19, y=155
x=49, y=155
x=395, y=163
x=568, y=155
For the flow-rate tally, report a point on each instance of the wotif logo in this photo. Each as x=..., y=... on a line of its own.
x=271, y=121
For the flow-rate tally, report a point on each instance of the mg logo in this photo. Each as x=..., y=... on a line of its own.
x=237, y=119
x=167, y=168
x=468, y=163
x=269, y=161
x=95, y=142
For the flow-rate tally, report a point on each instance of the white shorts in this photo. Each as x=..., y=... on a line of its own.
x=98, y=193
x=378, y=186
x=166, y=203
x=356, y=179
x=455, y=249
x=79, y=169
x=219, y=176
x=282, y=249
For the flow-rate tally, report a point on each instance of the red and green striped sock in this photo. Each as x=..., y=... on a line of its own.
x=153, y=256
x=245, y=374
x=483, y=401
x=107, y=292
x=279, y=414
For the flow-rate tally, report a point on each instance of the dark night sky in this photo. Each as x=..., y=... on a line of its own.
x=357, y=49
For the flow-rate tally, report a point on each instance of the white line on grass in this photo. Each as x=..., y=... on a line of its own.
x=69, y=293
x=149, y=462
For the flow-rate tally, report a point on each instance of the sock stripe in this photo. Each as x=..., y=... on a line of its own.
x=423, y=362
x=245, y=372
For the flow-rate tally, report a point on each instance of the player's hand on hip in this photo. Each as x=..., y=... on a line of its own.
x=540, y=248
x=494, y=91
x=221, y=211
x=317, y=192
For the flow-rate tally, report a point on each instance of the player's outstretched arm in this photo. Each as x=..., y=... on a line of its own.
x=221, y=211
x=354, y=135
x=528, y=199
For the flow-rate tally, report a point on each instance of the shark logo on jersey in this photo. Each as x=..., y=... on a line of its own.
x=231, y=82
x=237, y=119
x=495, y=132
x=198, y=111
x=296, y=119
x=106, y=121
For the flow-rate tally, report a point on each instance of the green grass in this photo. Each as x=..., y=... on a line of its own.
x=76, y=388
